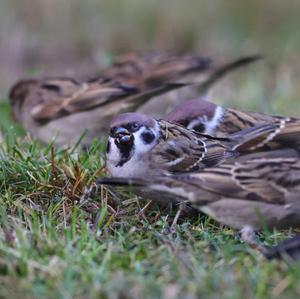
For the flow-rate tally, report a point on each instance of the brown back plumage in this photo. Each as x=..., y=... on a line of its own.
x=153, y=68
x=181, y=150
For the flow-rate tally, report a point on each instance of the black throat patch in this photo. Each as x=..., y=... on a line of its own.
x=126, y=150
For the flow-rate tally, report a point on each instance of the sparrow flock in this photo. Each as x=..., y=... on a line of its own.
x=240, y=168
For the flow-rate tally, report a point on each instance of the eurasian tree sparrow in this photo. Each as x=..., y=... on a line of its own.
x=207, y=117
x=64, y=108
x=250, y=193
x=140, y=145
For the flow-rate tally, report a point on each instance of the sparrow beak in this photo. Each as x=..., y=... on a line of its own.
x=122, y=135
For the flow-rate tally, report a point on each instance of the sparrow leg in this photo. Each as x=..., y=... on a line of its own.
x=177, y=215
x=247, y=234
x=143, y=209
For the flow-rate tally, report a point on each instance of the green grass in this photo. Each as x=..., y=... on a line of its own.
x=61, y=237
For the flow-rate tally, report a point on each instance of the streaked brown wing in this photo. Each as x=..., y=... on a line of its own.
x=151, y=69
x=278, y=153
x=271, y=180
x=267, y=180
x=180, y=150
x=236, y=120
x=63, y=100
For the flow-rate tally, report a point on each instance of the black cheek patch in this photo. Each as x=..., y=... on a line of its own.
x=148, y=137
x=108, y=147
x=200, y=127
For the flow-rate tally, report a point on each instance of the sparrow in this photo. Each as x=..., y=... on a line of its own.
x=207, y=117
x=140, y=145
x=152, y=68
x=62, y=108
x=255, y=192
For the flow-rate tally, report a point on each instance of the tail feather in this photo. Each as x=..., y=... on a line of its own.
x=247, y=140
x=253, y=138
x=282, y=133
x=288, y=132
x=224, y=70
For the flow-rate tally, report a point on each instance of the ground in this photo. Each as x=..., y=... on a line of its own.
x=60, y=236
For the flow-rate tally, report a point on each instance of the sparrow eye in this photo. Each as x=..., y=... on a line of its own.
x=134, y=126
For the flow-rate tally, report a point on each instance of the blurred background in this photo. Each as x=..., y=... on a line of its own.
x=75, y=37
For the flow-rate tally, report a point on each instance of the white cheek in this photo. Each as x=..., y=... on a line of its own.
x=141, y=148
x=212, y=125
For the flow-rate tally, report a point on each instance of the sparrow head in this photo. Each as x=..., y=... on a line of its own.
x=198, y=114
x=132, y=136
x=18, y=94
